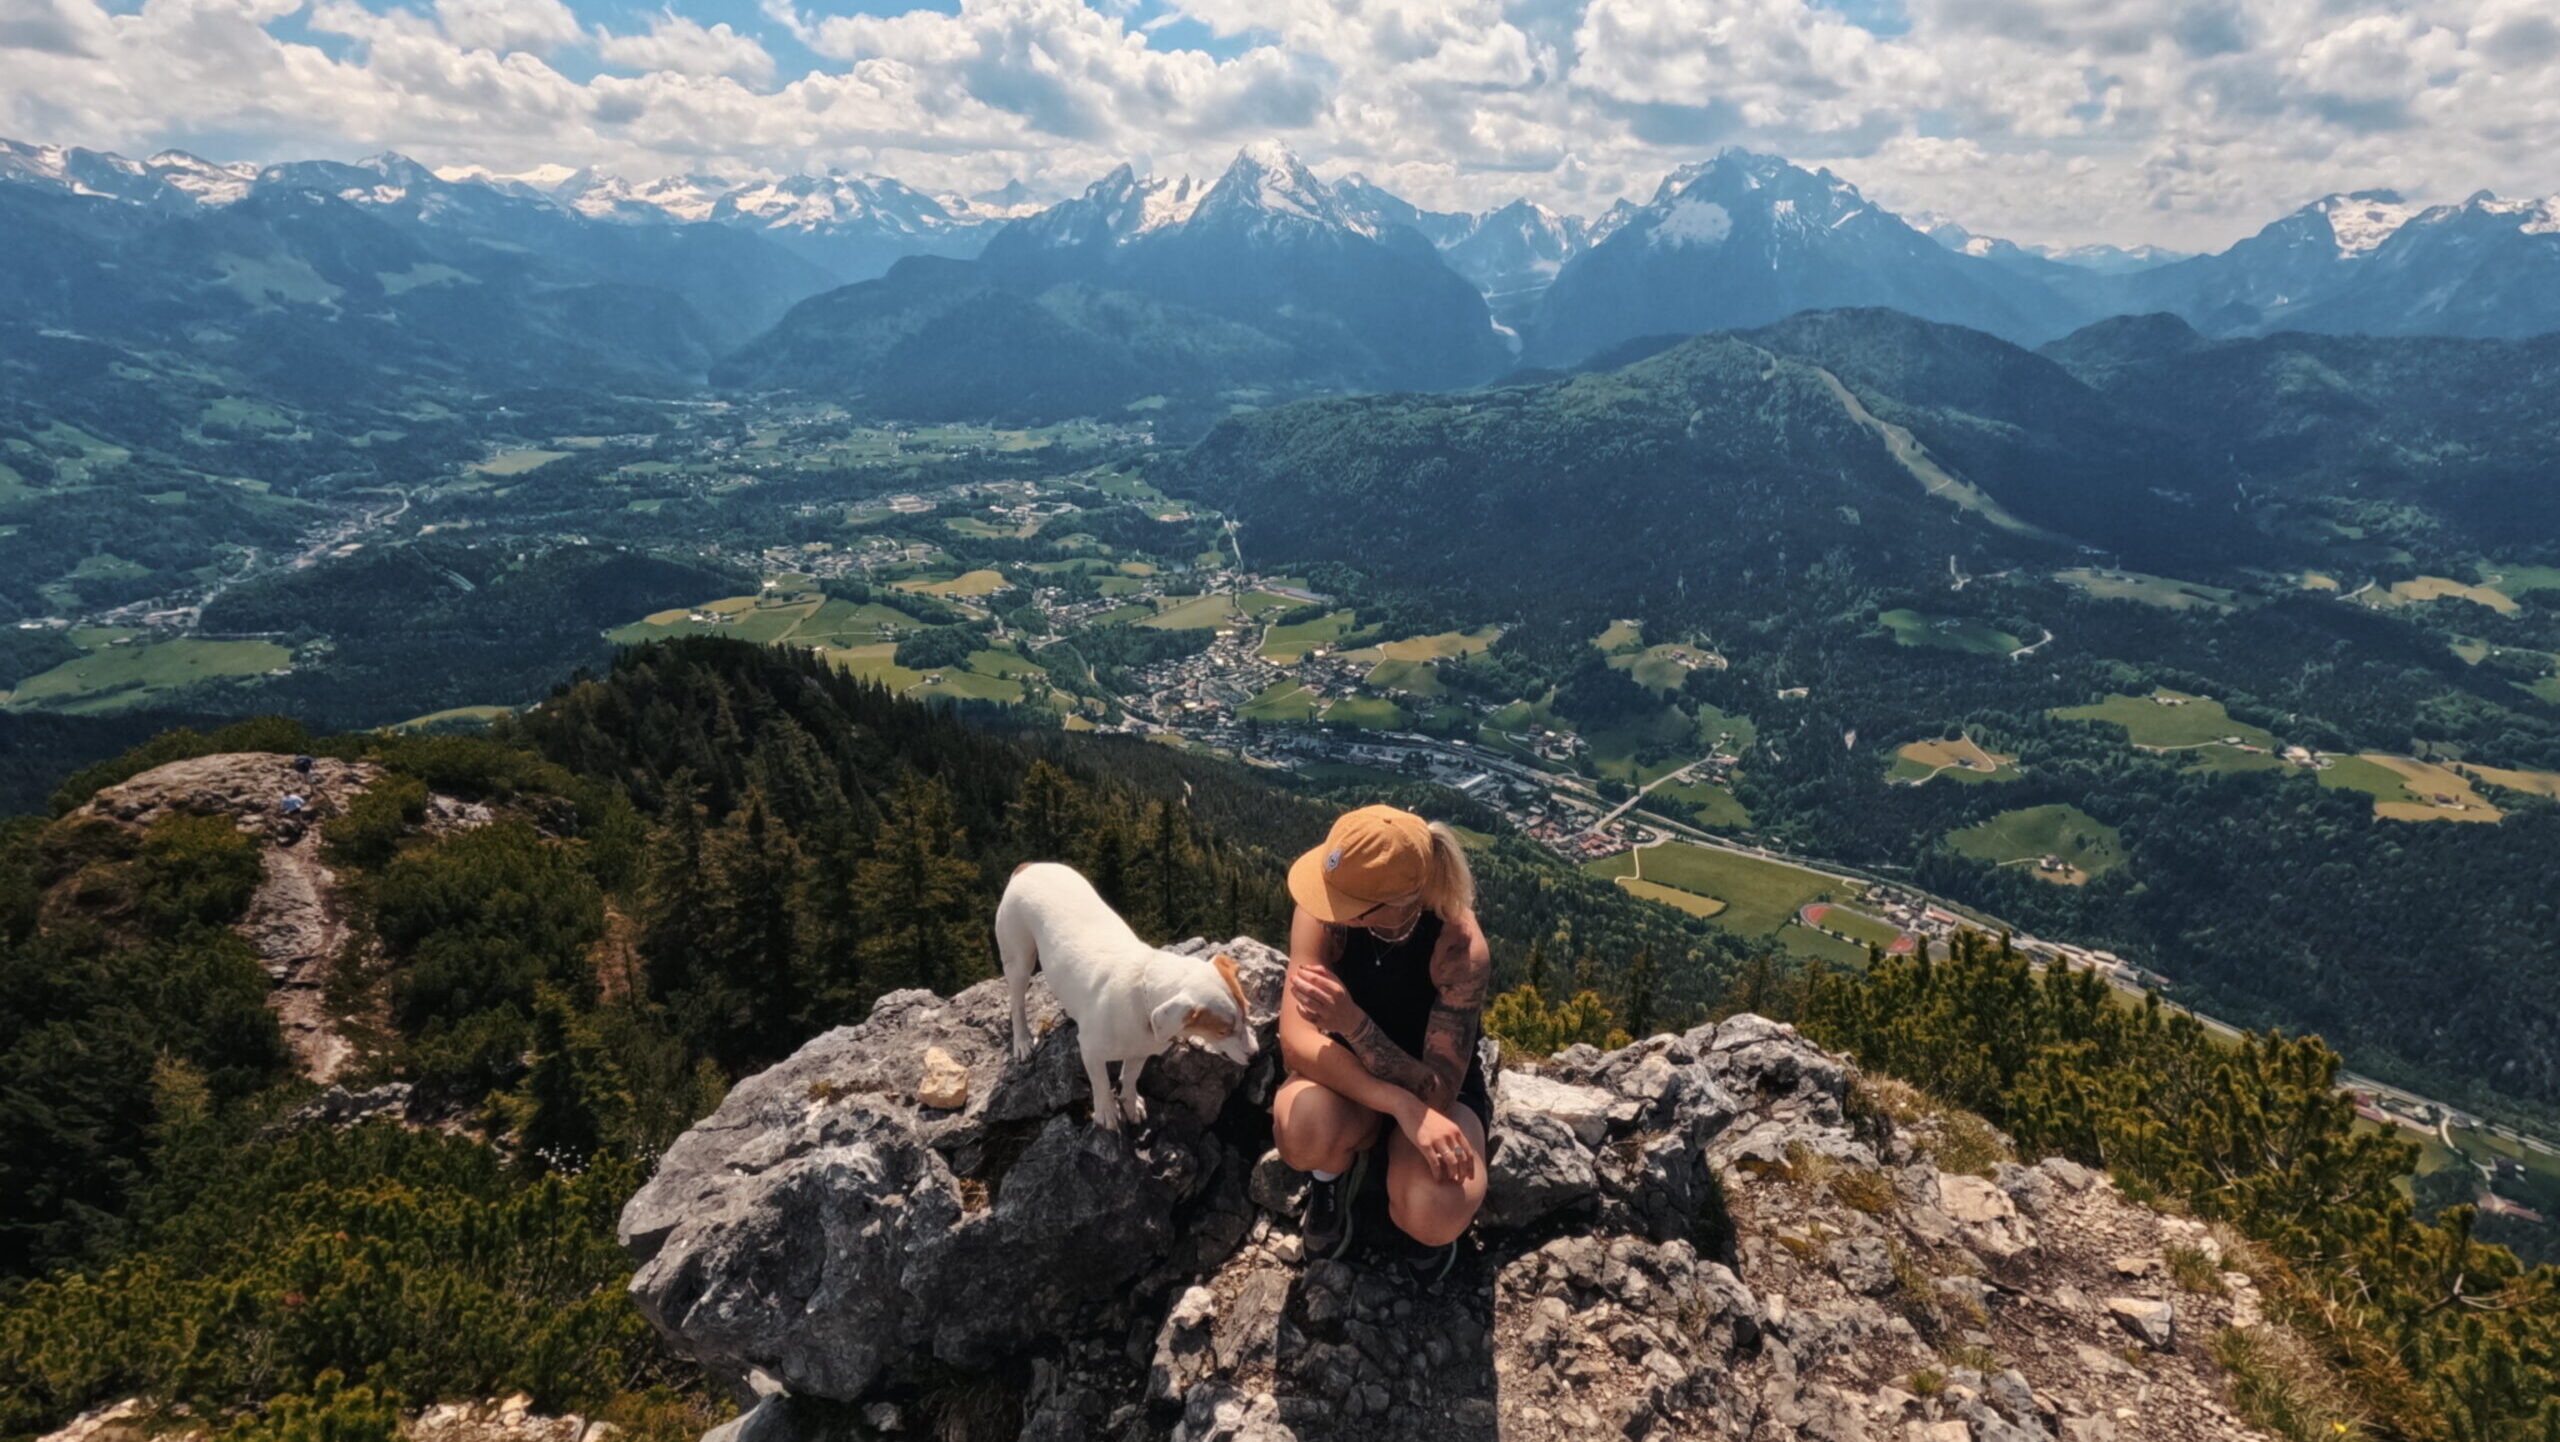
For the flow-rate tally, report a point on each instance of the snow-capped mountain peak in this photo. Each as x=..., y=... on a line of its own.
x=1267, y=184
x=545, y=178
x=208, y=183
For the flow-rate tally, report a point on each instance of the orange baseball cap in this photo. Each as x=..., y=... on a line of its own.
x=1374, y=854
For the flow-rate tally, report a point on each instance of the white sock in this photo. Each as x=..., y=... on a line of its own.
x=1320, y=1174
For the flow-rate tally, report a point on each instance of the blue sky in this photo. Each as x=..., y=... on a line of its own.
x=2184, y=122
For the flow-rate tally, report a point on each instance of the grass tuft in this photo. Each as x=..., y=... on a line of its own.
x=2279, y=1385
x=2193, y=1271
x=1864, y=1189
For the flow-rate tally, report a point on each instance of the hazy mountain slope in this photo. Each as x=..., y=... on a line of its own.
x=1723, y=455
x=940, y=339
x=2465, y=427
x=1707, y=460
x=2023, y=429
x=2371, y=263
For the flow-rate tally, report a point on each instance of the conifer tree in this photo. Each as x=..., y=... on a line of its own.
x=1636, y=1011
x=919, y=893
x=1048, y=815
x=566, y=1092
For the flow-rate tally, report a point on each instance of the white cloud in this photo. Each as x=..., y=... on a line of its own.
x=2181, y=121
x=537, y=26
x=684, y=47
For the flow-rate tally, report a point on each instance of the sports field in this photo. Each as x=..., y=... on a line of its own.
x=2404, y=788
x=1948, y=633
x=1760, y=896
x=1961, y=759
x=2085, y=846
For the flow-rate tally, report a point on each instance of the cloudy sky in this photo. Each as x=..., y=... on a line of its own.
x=2181, y=122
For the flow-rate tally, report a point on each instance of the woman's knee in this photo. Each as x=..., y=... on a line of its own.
x=1434, y=1213
x=1314, y=1126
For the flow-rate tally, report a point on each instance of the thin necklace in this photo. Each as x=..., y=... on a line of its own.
x=1399, y=936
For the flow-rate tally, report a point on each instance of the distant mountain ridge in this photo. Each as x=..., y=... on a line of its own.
x=1262, y=283
x=1265, y=280
x=1744, y=240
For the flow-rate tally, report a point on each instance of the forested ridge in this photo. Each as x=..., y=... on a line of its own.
x=698, y=861
x=712, y=852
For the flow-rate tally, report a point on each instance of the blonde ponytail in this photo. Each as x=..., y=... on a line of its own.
x=1452, y=885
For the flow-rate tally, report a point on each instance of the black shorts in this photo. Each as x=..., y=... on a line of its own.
x=1476, y=1097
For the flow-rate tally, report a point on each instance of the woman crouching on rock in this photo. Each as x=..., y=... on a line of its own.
x=1387, y=980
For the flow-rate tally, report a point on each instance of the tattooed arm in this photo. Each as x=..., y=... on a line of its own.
x=1462, y=968
x=1316, y=1017
x=1387, y=1061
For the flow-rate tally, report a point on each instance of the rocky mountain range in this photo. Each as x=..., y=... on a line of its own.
x=1722, y=1233
x=1265, y=281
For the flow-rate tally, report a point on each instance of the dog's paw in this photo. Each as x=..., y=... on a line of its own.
x=1136, y=1111
x=1021, y=1047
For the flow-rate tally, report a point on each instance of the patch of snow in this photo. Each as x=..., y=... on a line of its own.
x=1167, y=202
x=2362, y=222
x=545, y=177
x=208, y=183
x=1692, y=222
x=2546, y=220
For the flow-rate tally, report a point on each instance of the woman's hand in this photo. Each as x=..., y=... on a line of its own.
x=1322, y=999
x=1442, y=1142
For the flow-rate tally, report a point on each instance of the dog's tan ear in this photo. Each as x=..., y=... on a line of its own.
x=1227, y=973
x=1208, y=1023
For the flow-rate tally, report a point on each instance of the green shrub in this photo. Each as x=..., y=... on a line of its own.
x=370, y=830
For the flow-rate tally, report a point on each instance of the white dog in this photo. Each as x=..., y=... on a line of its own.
x=1129, y=1000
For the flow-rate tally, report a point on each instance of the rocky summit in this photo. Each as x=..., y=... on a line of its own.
x=1728, y=1233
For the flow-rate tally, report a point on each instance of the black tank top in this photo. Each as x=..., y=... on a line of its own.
x=1392, y=983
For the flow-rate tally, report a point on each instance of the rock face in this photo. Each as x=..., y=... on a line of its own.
x=298, y=919
x=242, y=785
x=1708, y=1235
